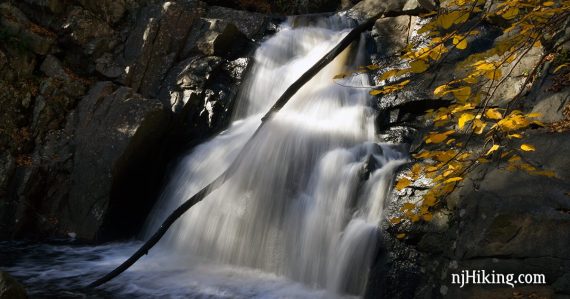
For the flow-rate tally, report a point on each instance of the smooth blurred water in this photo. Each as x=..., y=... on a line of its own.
x=299, y=216
x=297, y=205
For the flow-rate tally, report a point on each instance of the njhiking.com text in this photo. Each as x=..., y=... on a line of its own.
x=482, y=277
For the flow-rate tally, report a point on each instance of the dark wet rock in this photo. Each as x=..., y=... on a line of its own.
x=156, y=43
x=106, y=66
x=109, y=10
x=112, y=125
x=88, y=31
x=72, y=85
x=10, y=288
x=7, y=167
x=220, y=38
x=16, y=62
x=54, y=6
x=392, y=34
x=15, y=23
x=253, y=25
x=368, y=8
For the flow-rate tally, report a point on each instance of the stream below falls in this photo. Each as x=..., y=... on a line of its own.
x=299, y=216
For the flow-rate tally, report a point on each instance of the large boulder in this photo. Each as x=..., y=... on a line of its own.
x=116, y=130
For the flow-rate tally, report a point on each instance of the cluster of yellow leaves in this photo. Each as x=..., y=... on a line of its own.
x=390, y=88
x=525, y=23
x=516, y=163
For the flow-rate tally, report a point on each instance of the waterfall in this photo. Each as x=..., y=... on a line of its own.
x=306, y=199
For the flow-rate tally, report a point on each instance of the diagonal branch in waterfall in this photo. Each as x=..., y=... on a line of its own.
x=353, y=35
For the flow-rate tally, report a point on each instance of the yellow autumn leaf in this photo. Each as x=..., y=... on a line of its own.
x=429, y=200
x=460, y=42
x=493, y=114
x=546, y=173
x=437, y=52
x=422, y=155
x=534, y=115
x=419, y=66
x=464, y=118
x=427, y=217
x=527, y=167
x=548, y=3
x=436, y=138
x=462, y=93
x=514, y=136
x=511, y=13
x=403, y=183
x=462, y=45
x=403, y=72
x=400, y=236
x=527, y=147
x=513, y=121
x=492, y=149
x=432, y=168
x=395, y=220
x=484, y=66
x=415, y=171
x=478, y=126
x=446, y=20
x=462, y=18
x=408, y=206
x=494, y=74
x=339, y=76
x=471, y=79
x=453, y=179
x=388, y=74
x=440, y=90
x=460, y=108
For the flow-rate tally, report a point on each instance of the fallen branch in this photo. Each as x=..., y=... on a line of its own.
x=344, y=43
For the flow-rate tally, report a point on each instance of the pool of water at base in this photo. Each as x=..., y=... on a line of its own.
x=61, y=270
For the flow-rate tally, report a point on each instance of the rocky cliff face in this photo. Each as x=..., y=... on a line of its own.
x=496, y=219
x=97, y=96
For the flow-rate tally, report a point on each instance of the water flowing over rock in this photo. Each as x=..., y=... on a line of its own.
x=298, y=204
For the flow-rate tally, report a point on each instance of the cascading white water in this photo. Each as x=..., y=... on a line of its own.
x=300, y=203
